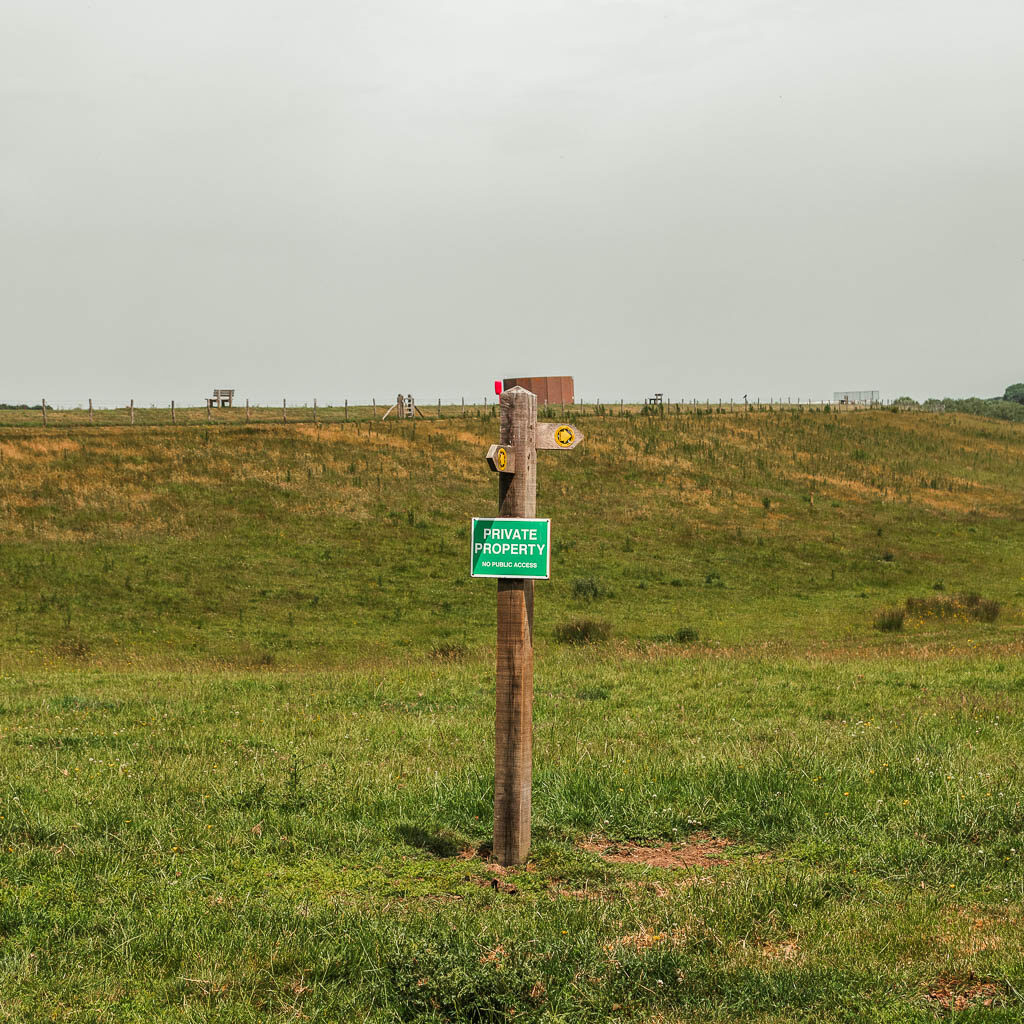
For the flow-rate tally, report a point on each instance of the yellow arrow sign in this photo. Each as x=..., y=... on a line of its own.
x=501, y=458
x=558, y=436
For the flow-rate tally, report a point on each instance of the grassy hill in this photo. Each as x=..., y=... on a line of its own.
x=246, y=723
x=317, y=545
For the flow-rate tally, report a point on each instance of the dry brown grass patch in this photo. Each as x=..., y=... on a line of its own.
x=781, y=952
x=971, y=931
x=493, y=956
x=639, y=941
x=701, y=850
x=585, y=895
x=960, y=993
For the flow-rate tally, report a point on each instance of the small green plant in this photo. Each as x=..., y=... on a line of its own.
x=583, y=631
x=983, y=609
x=967, y=606
x=586, y=589
x=890, y=620
x=686, y=635
x=448, y=651
x=72, y=647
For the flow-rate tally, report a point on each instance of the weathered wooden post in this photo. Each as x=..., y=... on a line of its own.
x=209, y=410
x=517, y=560
x=513, y=731
x=314, y=410
x=346, y=408
x=131, y=411
x=284, y=410
x=90, y=410
x=173, y=417
x=44, y=412
x=248, y=416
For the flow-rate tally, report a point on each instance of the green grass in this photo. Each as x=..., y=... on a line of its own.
x=246, y=725
x=227, y=846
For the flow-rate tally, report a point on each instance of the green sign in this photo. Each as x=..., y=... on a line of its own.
x=511, y=548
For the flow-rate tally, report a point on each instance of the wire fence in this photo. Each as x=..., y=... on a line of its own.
x=245, y=411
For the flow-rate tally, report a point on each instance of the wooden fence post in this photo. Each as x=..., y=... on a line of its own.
x=90, y=410
x=346, y=408
x=515, y=461
x=174, y=418
x=248, y=417
x=314, y=410
x=44, y=412
x=209, y=410
x=284, y=410
x=374, y=401
x=513, y=733
x=131, y=411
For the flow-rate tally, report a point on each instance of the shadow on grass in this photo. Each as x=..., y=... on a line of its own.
x=433, y=842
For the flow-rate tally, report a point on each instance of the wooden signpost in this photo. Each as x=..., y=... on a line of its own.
x=514, y=459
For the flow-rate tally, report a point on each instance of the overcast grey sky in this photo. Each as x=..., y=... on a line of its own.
x=359, y=197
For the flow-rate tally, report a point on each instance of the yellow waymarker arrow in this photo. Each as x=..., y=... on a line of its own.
x=558, y=436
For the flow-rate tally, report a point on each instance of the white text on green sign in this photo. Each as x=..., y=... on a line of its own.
x=511, y=548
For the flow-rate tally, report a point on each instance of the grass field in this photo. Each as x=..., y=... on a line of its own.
x=246, y=724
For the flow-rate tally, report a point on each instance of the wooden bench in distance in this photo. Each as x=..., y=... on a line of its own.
x=222, y=398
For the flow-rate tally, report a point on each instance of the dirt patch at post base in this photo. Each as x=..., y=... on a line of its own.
x=701, y=850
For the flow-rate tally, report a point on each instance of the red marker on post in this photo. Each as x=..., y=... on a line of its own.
x=497, y=387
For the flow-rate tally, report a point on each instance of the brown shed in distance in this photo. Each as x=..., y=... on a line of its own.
x=549, y=390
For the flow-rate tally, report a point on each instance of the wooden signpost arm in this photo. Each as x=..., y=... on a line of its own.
x=513, y=748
